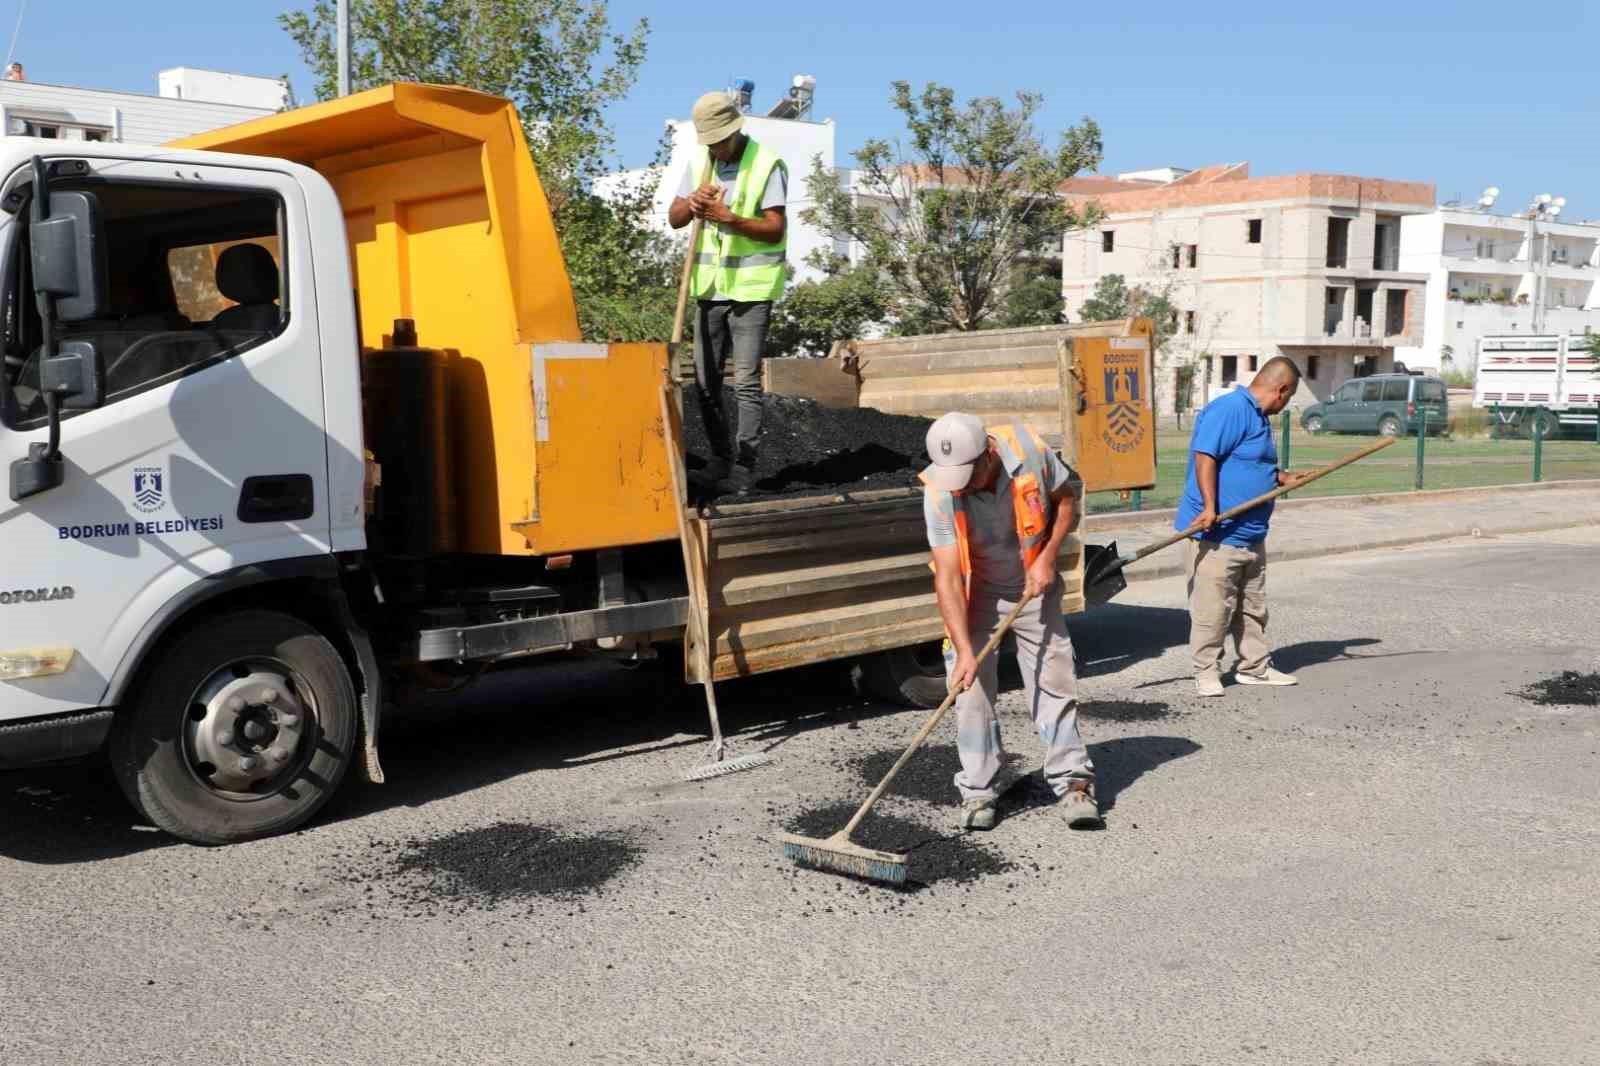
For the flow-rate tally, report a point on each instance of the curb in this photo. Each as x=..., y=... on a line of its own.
x=1125, y=519
x=1292, y=553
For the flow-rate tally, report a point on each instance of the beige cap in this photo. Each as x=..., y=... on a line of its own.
x=716, y=117
x=955, y=441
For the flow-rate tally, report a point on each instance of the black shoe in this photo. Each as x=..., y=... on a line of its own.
x=742, y=477
x=740, y=480
x=708, y=477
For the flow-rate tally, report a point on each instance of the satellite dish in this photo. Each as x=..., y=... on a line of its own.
x=1560, y=201
x=1492, y=191
x=1485, y=201
x=1544, y=198
x=1553, y=212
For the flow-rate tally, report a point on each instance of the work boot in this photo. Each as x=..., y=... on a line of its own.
x=1079, y=808
x=742, y=476
x=707, y=477
x=1269, y=676
x=976, y=814
x=1208, y=684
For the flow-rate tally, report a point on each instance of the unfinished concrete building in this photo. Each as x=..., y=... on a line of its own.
x=1302, y=265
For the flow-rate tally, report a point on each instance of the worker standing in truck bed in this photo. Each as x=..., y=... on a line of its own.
x=739, y=271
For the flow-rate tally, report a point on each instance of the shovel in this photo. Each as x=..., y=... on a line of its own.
x=1109, y=566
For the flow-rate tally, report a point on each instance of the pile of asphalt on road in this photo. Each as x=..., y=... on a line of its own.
x=808, y=449
x=507, y=863
x=1568, y=688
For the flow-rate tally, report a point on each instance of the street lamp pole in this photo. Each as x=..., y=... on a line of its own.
x=342, y=45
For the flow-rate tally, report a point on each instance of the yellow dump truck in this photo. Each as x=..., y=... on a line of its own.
x=298, y=417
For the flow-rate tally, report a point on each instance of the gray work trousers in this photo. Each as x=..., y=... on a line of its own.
x=736, y=330
x=1228, y=596
x=1044, y=651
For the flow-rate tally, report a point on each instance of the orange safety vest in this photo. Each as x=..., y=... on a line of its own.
x=1018, y=444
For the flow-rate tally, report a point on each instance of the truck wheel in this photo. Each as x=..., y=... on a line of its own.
x=911, y=676
x=242, y=728
x=1544, y=423
x=1389, y=426
x=1314, y=424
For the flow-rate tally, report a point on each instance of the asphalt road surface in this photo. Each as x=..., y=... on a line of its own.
x=1396, y=862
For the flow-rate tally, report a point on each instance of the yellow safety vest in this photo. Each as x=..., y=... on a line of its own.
x=732, y=265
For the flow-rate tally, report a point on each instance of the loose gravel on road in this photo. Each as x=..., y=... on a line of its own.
x=1568, y=688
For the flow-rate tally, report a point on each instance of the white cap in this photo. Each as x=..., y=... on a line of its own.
x=955, y=441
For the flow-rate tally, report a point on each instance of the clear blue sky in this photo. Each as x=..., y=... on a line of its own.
x=1461, y=94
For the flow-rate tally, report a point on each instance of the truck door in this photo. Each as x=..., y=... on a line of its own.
x=209, y=452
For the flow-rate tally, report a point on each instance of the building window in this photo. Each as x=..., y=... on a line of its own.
x=1254, y=235
x=1338, y=242
x=1177, y=256
x=1192, y=254
x=1311, y=367
x=1252, y=364
x=1188, y=321
x=1108, y=240
x=1230, y=369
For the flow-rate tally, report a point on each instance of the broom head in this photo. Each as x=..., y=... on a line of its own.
x=839, y=855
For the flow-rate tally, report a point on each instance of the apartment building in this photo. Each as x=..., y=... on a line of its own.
x=1496, y=274
x=189, y=101
x=1302, y=265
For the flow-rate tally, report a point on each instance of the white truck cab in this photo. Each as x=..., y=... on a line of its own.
x=203, y=442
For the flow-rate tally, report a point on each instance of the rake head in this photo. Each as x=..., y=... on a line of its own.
x=838, y=855
x=720, y=767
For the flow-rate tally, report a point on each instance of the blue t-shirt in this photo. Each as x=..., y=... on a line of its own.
x=1233, y=430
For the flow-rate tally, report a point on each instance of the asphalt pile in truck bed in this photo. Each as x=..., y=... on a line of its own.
x=808, y=449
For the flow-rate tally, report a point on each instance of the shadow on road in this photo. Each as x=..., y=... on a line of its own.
x=1114, y=636
x=565, y=716
x=1117, y=765
x=70, y=814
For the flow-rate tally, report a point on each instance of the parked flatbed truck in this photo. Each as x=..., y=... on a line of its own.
x=297, y=418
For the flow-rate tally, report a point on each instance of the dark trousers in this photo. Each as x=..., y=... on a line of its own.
x=737, y=331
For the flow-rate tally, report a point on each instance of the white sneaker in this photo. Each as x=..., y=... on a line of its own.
x=1208, y=684
x=1269, y=676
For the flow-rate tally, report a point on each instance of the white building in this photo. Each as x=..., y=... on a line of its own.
x=1299, y=265
x=191, y=101
x=797, y=140
x=1490, y=274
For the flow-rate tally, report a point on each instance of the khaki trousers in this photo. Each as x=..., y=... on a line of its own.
x=1044, y=652
x=1228, y=595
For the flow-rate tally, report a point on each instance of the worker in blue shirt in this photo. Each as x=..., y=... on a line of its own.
x=1232, y=459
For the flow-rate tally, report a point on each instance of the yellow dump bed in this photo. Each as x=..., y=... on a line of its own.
x=557, y=445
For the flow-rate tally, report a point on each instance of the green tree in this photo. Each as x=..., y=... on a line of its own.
x=563, y=66
x=815, y=314
x=1032, y=295
x=945, y=214
x=1109, y=302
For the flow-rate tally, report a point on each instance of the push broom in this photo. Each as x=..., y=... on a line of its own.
x=839, y=853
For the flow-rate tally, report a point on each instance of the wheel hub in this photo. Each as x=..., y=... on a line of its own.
x=243, y=731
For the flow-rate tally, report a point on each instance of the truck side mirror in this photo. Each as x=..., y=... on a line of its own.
x=69, y=259
x=77, y=374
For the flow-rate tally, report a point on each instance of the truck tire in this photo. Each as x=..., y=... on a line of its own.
x=1389, y=426
x=1544, y=422
x=1313, y=424
x=912, y=677
x=241, y=728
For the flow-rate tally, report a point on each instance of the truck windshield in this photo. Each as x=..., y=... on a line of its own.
x=194, y=277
